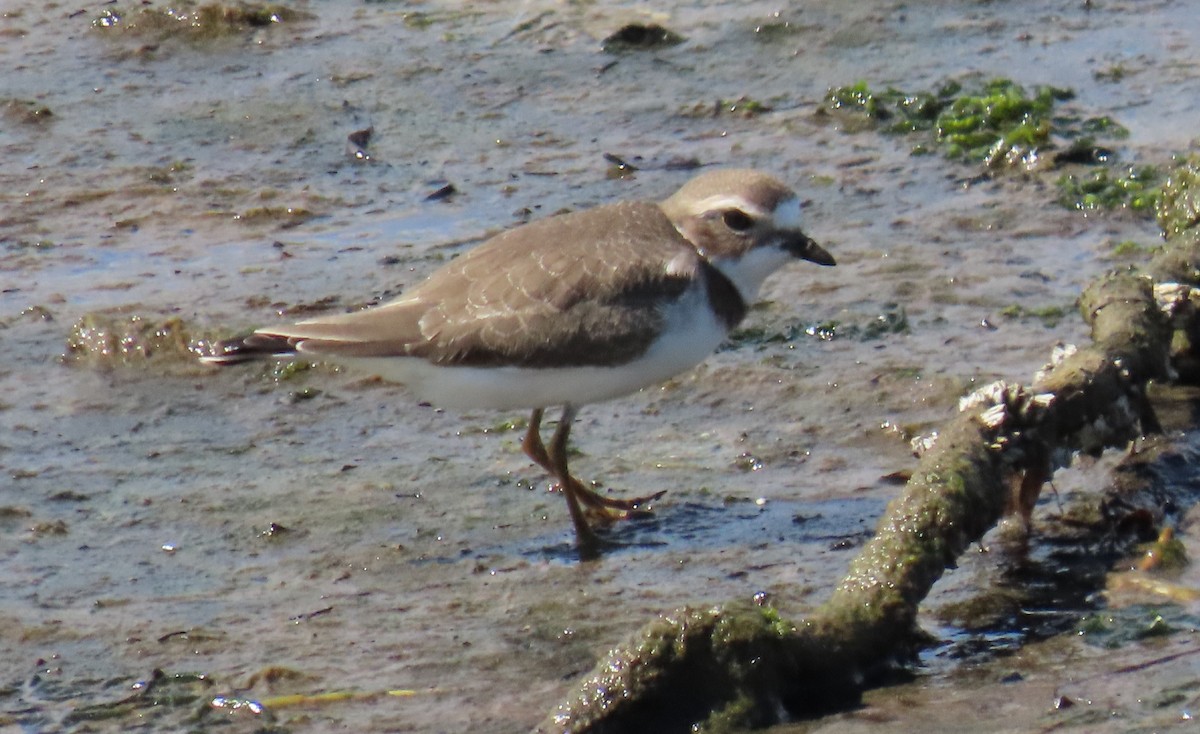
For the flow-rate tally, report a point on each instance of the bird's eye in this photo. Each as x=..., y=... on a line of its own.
x=737, y=220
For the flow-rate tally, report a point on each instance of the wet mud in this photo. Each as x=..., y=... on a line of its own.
x=308, y=533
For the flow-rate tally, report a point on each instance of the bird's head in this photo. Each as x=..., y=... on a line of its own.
x=745, y=222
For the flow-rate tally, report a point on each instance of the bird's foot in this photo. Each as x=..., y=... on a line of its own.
x=610, y=509
x=590, y=510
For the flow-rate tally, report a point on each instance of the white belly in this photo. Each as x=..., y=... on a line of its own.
x=691, y=334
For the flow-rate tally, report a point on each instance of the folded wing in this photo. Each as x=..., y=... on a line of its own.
x=518, y=299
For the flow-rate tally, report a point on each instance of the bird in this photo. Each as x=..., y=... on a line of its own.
x=569, y=310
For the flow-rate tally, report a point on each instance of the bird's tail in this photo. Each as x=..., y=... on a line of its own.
x=248, y=348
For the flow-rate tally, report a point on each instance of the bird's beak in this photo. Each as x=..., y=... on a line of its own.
x=802, y=246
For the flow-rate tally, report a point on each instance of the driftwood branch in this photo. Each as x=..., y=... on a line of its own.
x=744, y=665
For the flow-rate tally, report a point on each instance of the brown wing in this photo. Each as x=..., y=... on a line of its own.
x=581, y=288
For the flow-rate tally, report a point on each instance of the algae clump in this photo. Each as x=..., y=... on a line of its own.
x=998, y=123
x=1178, y=206
x=197, y=23
x=117, y=338
x=1006, y=127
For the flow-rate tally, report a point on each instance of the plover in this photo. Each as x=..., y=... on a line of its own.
x=569, y=310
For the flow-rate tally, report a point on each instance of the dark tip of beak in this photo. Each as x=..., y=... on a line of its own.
x=803, y=247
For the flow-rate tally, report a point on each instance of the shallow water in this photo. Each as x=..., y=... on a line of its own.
x=164, y=515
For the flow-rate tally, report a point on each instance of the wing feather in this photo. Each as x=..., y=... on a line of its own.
x=581, y=288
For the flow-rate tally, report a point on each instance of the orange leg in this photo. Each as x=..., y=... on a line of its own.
x=554, y=461
x=585, y=537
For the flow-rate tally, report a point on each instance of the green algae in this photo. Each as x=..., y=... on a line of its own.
x=1050, y=316
x=154, y=698
x=1003, y=126
x=1115, y=628
x=758, y=336
x=284, y=370
x=891, y=320
x=743, y=106
x=1128, y=249
x=1178, y=205
x=891, y=109
x=195, y=22
x=117, y=338
x=1136, y=188
x=998, y=123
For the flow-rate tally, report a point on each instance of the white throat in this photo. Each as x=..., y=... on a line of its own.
x=748, y=272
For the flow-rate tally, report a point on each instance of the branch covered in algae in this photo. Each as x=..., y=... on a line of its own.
x=738, y=665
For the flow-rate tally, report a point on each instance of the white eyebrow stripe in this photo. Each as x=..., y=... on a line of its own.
x=725, y=201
